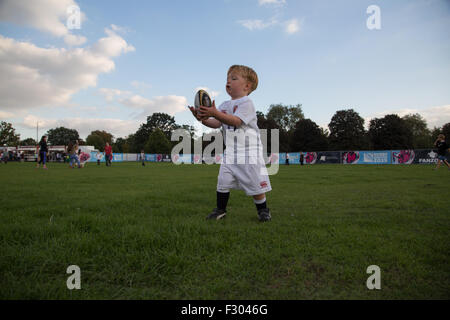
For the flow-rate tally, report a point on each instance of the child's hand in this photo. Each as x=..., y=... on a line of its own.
x=195, y=113
x=206, y=112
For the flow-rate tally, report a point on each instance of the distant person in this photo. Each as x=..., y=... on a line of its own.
x=143, y=158
x=287, y=158
x=99, y=157
x=443, y=147
x=5, y=156
x=73, y=154
x=43, y=151
x=302, y=158
x=108, y=154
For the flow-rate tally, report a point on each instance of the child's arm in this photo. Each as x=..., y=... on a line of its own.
x=228, y=119
x=212, y=123
x=206, y=121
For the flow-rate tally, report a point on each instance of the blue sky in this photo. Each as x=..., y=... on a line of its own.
x=133, y=58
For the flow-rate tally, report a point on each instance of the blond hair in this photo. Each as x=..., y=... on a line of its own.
x=247, y=73
x=441, y=136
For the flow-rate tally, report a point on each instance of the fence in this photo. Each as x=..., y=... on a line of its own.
x=418, y=156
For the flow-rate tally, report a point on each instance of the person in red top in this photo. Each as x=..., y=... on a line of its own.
x=108, y=154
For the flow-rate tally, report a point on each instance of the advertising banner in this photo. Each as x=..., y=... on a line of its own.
x=182, y=158
x=366, y=157
x=425, y=156
x=273, y=158
x=310, y=157
x=117, y=157
x=328, y=157
x=294, y=158
x=403, y=156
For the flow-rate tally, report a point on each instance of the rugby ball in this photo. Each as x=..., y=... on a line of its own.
x=202, y=99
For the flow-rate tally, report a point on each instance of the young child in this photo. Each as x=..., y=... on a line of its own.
x=238, y=114
x=99, y=157
x=443, y=147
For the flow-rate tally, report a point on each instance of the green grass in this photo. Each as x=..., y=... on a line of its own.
x=140, y=233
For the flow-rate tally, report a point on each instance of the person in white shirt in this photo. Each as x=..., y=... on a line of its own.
x=99, y=157
x=243, y=165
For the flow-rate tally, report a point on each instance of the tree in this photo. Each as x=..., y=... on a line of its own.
x=162, y=121
x=308, y=136
x=285, y=117
x=96, y=141
x=435, y=132
x=346, y=131
x=106, y=136
x=158, y=143
x=28, y=142
x=8, y=135
x=390, y=132
x=446, y=131
x=121, y=146
x=62, y=136
x=421, y=134
x=269, y=124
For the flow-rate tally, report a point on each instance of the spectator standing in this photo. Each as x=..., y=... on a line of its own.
x=108, y=154
x=143, y=158
x=43, y=150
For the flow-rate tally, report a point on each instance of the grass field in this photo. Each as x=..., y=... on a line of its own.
x=140, y=233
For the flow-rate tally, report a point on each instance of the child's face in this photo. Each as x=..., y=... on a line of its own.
x=237, y=87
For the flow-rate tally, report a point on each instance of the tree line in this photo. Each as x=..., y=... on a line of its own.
x=346, y=131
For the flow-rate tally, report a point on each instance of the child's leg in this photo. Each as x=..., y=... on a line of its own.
x=447, y=164
x=222, y=200
x=260, y=201
x=261, y=207
x=45, y=160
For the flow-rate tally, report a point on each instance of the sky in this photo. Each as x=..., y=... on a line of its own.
x=113, y=63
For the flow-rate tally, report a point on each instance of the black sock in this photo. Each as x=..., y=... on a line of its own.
x=222, y=200
x=261, y=205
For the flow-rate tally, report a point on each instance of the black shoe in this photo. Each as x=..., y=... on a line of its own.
x=217, y=214
x=264, y=215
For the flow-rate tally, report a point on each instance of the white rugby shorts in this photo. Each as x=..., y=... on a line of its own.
x=252, y=178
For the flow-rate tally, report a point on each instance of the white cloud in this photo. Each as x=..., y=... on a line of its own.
x=45, y=15
x=257, y=24
x=110, y=94
x=272, y=2
x=119, y=29
x=435, y=116
x=32, y=76
x=140, y=84
x=171, y=104
x=84, y=126
x=292, y=26
x=5, y=115
x=111, y=46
